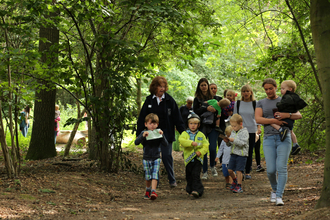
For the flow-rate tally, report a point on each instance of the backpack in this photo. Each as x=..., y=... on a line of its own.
x=254, y=103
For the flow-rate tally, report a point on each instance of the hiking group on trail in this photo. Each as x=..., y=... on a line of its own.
x=202, y=125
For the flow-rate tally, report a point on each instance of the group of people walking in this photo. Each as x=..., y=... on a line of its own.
x=160, y=117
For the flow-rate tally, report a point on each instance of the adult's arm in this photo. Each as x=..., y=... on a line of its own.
x=200, y=108
x=284, y=115
x=235, y=108
x=265, y=121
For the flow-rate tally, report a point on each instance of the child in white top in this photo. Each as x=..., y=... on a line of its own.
x=225, y=151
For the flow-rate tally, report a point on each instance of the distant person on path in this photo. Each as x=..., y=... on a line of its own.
x=224, y=151
x=165, y=107
x=151, y=154
x=239, y=142
x=276, y=151
x=202, y=94
x=24, y=120
x=195, y=146
x=246, y=108
x=57, y=119
x=186, y=109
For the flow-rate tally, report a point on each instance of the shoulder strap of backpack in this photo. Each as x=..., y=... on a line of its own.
x=237, y=103
x=254, y=104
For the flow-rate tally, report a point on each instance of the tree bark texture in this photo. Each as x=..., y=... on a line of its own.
x=42, y=143
x=320, y=23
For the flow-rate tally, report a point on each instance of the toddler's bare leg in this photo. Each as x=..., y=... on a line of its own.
x=275, y=126
x=239, y=177
x=293, y=137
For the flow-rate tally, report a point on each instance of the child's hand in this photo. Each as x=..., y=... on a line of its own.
x=218, y=116
x=216, y=159
x=231, y=139
x=161, y=132
x=145, y=134
x=225, y=140
x=194, y=144
x=198, y=153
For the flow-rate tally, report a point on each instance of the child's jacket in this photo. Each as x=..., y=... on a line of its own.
x=151, y=148
x=240, y=145
x=189, y=151
x=290, y=102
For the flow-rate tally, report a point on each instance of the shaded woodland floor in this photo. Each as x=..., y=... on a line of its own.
x=55, y=189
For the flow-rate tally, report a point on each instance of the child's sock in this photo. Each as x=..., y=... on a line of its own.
x=295, y=144
x=153, y=190
x=148, y=189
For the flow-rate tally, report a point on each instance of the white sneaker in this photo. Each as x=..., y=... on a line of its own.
x=214, y=171
x=273, y=196
x=204, y=177
x=279, y=201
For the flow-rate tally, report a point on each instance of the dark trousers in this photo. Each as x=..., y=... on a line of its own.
x=257, y=151
x=213, y=137
x=252, y=140
x=194, y=183
x=168, y=161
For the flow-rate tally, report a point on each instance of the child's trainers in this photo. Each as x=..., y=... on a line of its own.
x=147, y=195
x=295, y=149
x=238, y=189
x=233, y=185
x=283, y=131
x=153, y=196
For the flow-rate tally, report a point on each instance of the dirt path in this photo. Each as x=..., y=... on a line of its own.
x=79, y=191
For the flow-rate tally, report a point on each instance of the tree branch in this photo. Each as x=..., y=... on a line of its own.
x=305, y=46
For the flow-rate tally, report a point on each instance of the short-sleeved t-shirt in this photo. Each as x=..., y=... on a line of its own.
x=267, y=106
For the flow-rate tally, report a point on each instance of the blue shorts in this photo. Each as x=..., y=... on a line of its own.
x=151, y=168
x=237, y=163
x=225, y=170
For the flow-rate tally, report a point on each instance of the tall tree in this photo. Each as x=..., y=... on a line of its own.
x=320, y=20
x=42, y=140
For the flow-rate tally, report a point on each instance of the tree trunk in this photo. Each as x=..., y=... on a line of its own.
x=42, y=140
x=73, y=132
x=5, y=150
x=320, y=20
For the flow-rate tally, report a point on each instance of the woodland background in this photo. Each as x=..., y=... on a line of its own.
x=100, y=56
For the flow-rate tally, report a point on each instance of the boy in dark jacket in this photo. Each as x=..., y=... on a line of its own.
x=151, y=139
x=290, y=103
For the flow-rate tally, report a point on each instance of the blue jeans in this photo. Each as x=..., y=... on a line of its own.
x=168, y=161
x=213, y=137
x=277, y=154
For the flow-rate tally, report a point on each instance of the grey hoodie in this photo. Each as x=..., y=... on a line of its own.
x=240, y=145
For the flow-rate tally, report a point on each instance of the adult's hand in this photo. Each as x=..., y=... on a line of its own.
x=211, y=109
